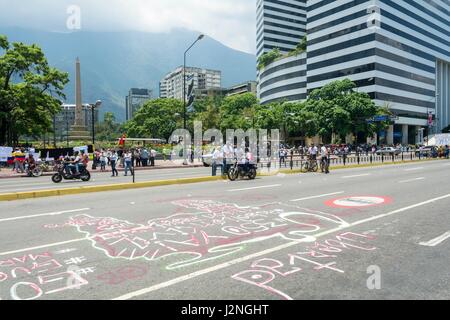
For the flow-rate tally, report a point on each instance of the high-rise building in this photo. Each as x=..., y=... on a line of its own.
x=396, y=51
x=135, y=99
x=280, y=24
x=204, y=79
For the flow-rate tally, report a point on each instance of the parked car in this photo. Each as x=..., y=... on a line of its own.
x=389, y=151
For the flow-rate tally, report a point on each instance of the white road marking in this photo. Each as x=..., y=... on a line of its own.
x=415, y=169
x=436, y=241
x=254, y=188
x=412, y=180
x=265, y=252
x=357, y=176
x=319, y=196
x=44, y=214
x=43, y=246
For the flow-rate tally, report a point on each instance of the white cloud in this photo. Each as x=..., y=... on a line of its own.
x=232, y=22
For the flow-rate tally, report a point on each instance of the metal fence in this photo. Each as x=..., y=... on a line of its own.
x=295, y=162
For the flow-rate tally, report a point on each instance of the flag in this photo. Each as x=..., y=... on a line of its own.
x=191, y=89
x=122, y=140
x=189, y=77
x=191, y=102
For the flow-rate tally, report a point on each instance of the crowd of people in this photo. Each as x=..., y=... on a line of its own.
x=128, y=159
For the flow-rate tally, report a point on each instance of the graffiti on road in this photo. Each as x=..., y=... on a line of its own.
x=264, y=273
x=213, y=230
x=32, y=276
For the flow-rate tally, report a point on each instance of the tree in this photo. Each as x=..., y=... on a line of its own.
x=238, y=112
x=341, y=110
x=29, y=91
x=156, y=119
x=109, y=129
x=207, y=110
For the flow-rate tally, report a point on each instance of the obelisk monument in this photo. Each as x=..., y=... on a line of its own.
x=79, y=130
x=79, y=119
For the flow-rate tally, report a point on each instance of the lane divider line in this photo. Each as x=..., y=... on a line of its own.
x=436, y=241
x=412, y=180
x=44, y=214
x=319, y=196
x=254, y=188
x=357, y=176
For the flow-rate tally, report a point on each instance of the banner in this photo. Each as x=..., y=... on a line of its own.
x=79, y=149
x=5, y=153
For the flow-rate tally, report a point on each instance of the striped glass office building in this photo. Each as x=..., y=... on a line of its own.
x=396, y=51
x=281, y=24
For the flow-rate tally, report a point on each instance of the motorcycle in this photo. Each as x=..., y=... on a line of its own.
x=36, y=172
x=61, y=174
x=242, y=170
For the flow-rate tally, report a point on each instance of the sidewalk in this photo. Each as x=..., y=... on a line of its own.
x=7, y=173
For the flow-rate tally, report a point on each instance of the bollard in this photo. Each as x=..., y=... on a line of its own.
x=382, y=158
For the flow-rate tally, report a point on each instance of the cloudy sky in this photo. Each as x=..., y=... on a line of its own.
x=230, y=21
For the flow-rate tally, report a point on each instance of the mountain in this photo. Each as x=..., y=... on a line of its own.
x=114, y=62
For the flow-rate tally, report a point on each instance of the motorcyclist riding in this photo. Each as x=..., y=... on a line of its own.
x=31, y=162
x=84, y=160
x=72, y=164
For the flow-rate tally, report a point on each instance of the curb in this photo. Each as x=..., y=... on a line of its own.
x=159, y=183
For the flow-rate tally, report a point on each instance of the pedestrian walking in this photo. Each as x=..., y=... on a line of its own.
x=114, y=157
x=103, y=160
x=128, y=162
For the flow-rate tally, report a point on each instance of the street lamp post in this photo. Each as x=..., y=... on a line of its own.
x=93, y=107
x=200, y=37
x=54, y=130
x=67, y=127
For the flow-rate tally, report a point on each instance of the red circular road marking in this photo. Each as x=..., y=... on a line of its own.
x=358, y=202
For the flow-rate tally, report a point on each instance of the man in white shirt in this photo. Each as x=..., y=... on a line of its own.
x=152, y=157
x=128, y=162
x=324, y=154
x=217, y=160
x=313, y=150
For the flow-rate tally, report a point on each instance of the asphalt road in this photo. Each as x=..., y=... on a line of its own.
x=373, y=233
x=45, y=183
